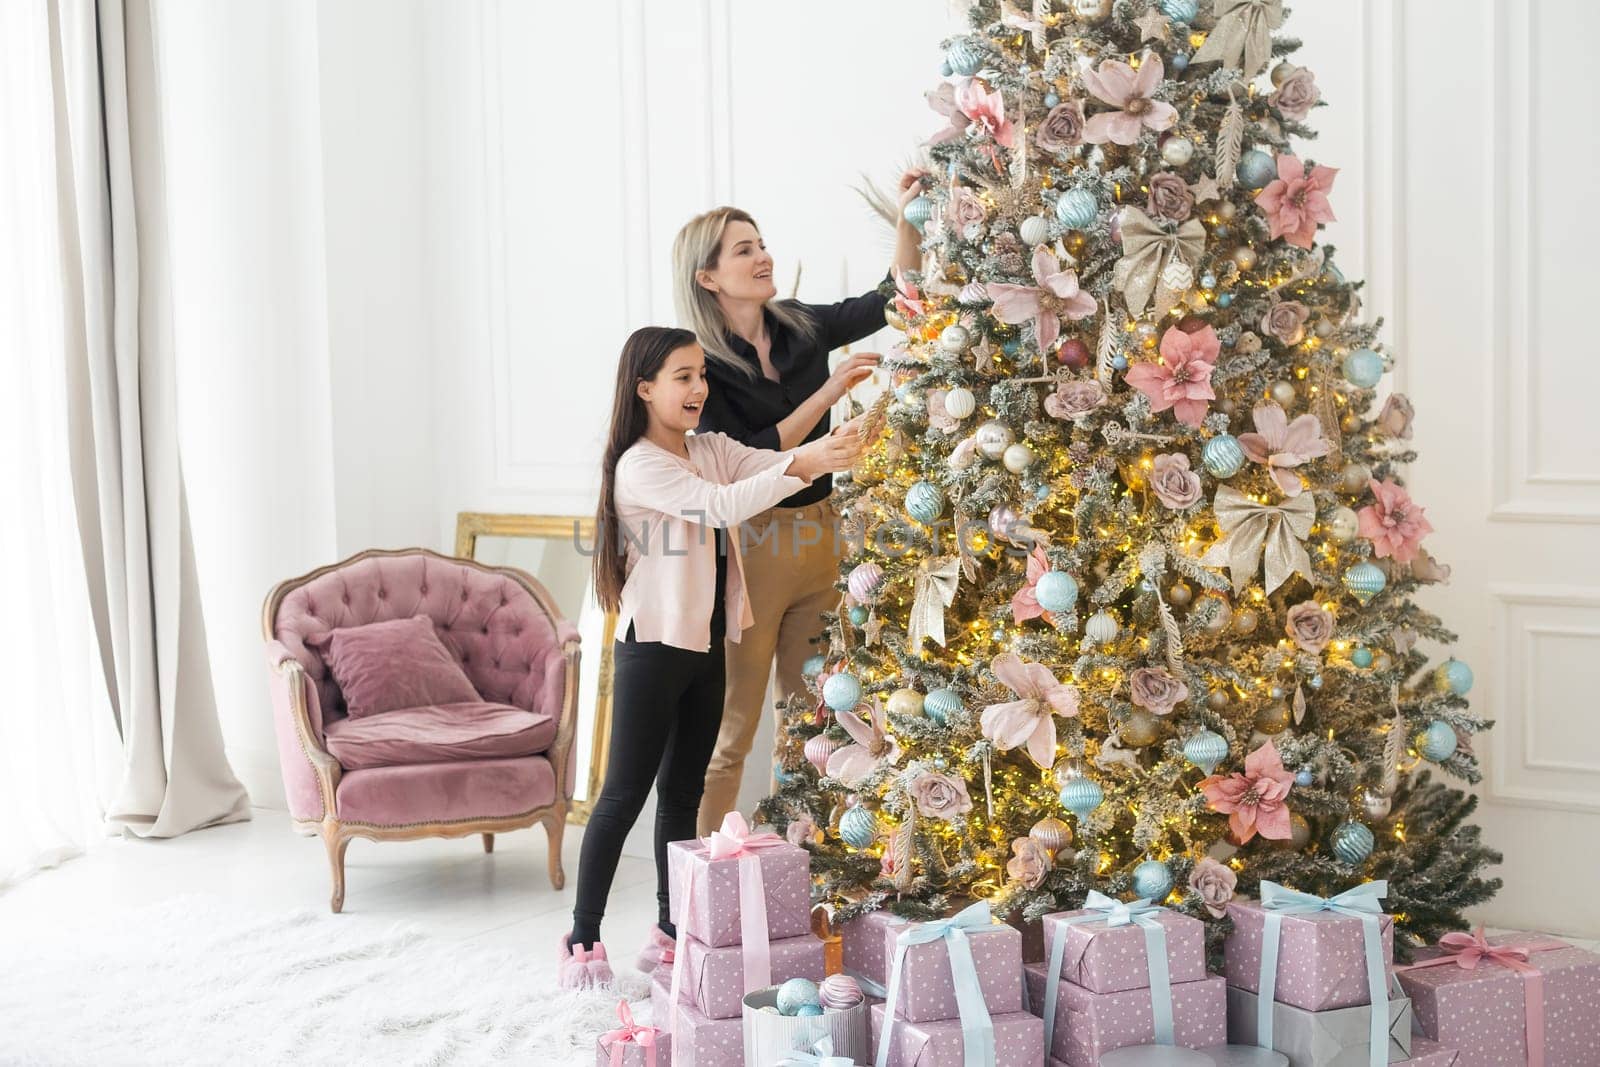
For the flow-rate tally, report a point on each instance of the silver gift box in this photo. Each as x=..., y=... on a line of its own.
x=1336, y=1038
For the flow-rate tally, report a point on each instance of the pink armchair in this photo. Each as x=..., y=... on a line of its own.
x=512, y=643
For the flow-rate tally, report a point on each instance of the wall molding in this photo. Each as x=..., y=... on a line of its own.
x=1515, y=775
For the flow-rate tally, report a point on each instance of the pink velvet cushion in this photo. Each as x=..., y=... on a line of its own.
x=384, y=666
x=440, y=733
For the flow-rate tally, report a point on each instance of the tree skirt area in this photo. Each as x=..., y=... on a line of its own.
x=197, y=980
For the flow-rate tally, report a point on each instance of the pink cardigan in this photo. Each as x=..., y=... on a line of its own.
x=665, y=505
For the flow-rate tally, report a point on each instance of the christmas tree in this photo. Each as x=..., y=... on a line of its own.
x=1130, y=605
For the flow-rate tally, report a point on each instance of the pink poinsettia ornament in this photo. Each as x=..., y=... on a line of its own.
x=1283, y=445
x=1025, y=601
x=1030, y=720
x=854, y=763
x=1120, y=85
x=907, y=297
x=986, y=111
x=1255, y=800
x=1181, y=381
x=1057, y=296
x=1393, y=522
x=1297, y=200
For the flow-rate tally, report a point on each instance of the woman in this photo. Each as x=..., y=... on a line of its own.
x=658, y=565
x=768, y=364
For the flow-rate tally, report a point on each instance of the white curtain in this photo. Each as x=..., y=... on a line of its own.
x=108, y=709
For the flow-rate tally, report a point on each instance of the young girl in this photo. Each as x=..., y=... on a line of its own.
x=677, y=587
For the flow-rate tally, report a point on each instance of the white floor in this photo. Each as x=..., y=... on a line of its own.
x=449, y=888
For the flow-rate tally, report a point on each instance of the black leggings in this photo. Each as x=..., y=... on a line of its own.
x=666, y=708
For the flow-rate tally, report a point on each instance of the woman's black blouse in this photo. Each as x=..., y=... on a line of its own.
x=749, y=409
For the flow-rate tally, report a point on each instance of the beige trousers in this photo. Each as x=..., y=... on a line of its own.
x=791, y=560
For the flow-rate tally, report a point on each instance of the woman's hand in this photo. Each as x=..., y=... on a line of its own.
x=825, y=455
x=849, y=374
x=910, y=189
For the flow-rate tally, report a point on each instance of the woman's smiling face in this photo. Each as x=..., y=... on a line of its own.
x=676, y=394
x=744, y=269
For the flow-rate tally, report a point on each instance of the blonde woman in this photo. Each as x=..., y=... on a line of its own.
x=767, y=361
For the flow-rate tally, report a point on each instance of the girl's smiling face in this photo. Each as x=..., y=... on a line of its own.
x=676, y=394
x=744, y=269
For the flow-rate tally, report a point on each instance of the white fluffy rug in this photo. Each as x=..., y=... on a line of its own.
x=197, y=981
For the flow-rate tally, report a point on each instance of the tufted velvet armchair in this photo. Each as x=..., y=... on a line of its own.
x=512, y=643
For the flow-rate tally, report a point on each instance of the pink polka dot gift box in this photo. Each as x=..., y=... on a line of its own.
x=1321, y=956
x=1108, y=959
x=1090, y=1024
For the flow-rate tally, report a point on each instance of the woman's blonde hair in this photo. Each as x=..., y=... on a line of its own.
x=697, y=247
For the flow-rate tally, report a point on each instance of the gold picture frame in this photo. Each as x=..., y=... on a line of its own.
x=579, y=531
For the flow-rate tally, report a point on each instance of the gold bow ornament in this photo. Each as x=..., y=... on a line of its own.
x=1243, y=34
x=1148, y=250
x=933, y=590
x=1251, y=530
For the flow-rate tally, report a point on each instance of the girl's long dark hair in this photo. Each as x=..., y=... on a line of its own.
x=643, y=355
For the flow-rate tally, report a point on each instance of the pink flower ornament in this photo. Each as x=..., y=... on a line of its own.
x=1283, y=445
x=1181, y=381
x=1025, y=601
x=986, y=110
x=1028, y=721
x=1118, y=84
x=1393, y=522
x=872, y=747
x=1057, y=296
x=1255, y=800
x=1297, y=200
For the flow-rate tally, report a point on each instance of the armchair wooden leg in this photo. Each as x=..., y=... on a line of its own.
x=555, y=824
x=336, y=844
x=488, y=842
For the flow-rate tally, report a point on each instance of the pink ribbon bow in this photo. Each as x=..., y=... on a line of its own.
x=629, y=1033
x=733, y=841
x=1468, y=950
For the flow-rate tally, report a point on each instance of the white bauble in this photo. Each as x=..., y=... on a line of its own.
x=959, y=402
x=994, y=437
x=1034, y=231
x=1177, y=150
x=1017, y=458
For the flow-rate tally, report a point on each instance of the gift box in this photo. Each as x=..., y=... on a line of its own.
x=1339, y=1037
x=1321, y=956
x=631, y=1045
x=1426, y=1053
x=770, y=1038
x=1482, y=1011
x=713, y=916
x=1018, y=1040
x=696, y=1040
x=713, y=978
x=1110, y=959
x=927, y=987
x=1090, y=1024
x=862, y=946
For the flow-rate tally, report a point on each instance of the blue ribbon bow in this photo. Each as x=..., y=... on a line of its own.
x=1360, y=903
x=821, y=1053
x=977, y=1030
x=1116, y=913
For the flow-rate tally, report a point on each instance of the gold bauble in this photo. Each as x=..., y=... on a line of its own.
x=1223, y=613
x=1180, y=594
x=906, y=702
x=1273, y=718
x=1091, y=10
x=1299, y=833
x=1354, y=478
x=1244, y=257
x=1374, y=805
x=1051, y=834
x=1343, y=524
x=1217, y=699
x=1140, y=728
x=1283, y=393
x=1069, y=768
x=1244, y=622
x=1350, y=423
x=892, y=317
x=1226, y=209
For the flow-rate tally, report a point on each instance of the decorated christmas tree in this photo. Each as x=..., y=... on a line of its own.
x=1130, y=605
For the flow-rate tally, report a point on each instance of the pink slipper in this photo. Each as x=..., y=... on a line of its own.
x=582, y=968
x=657, y=950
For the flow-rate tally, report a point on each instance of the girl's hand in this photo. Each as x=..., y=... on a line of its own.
x=825, y=455
x=910, y=189
x=850, y=373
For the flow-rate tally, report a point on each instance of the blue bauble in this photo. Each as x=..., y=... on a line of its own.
x=781, y=776
x=945, y=70
x=1051, y=100
x=940, y=704
x=1363, y=368
x=918, y=212
x=1315, y=681
x=1152, y=880
x=1208, y=281
x=1362, y=657
x=1042, y=493
x=841, y=692
x=965, y=57
x=1224, y=300
x=1453, y=676
x=794, y=993
x=809, y=1009
x=858, y=615
x=1352, y=842
x=858, y=827
x=1437, y=742
x=1256, y=168
x=924, y=502
x=1179, y=10
x=1223, y=456
x=1365, y=581
x=1081, y=796
x=1056, y=591
x=1077, y=209
x=1119, y=361
x=811, y=669
x=1178, y=63
x=1205, y=750
x=1304, y=777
